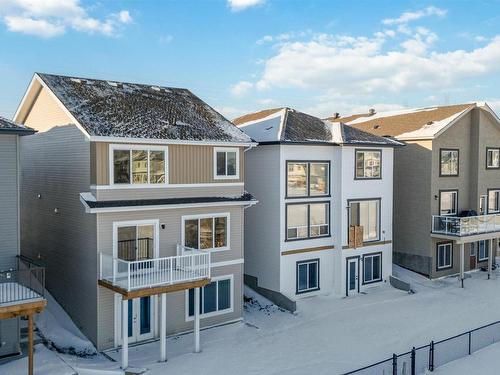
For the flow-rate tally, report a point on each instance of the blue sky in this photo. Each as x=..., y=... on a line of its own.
x=243, y=55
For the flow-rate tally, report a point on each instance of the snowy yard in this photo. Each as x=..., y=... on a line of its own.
x=329, y=335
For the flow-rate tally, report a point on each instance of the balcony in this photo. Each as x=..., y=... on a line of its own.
x=21, y=286
x=189, y=266
x=453, y=226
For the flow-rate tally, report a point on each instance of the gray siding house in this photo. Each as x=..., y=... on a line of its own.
x=133, y=199
x=446, y=185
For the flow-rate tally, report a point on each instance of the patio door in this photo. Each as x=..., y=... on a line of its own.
x=136, y=242
x=472, y=259
x=140, y=319
x=352, y=272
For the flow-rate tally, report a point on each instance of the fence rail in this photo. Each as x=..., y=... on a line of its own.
x=22, y=285
x=435, y=354
x=465, y=226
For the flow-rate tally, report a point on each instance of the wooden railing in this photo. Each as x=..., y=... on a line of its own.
x=465, y=226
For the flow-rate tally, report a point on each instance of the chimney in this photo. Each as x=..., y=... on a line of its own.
x=372, y=111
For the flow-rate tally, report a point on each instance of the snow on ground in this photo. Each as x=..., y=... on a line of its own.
x=328, y=335
x=46, y=363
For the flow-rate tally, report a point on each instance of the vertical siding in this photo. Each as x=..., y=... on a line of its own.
x=46, y=113
x=56, y=165
x=99, y=168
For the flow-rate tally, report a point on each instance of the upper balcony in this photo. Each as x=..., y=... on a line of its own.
x=477, y=227
x=189, y=269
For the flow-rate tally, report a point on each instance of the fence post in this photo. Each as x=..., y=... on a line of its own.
x=394, y=364
x=470, y=342
x=413, y=355
x=431, y=356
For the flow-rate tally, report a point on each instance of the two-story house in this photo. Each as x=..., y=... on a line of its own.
x=447, y=185
x=324, y=222
x=21, y=286
x=133, y=198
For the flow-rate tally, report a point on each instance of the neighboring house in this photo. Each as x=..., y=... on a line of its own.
x=21, y=288
x=324, y=221
x=130, y=192
x=447, y=185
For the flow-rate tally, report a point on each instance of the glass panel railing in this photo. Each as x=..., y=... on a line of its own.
x=465, y=226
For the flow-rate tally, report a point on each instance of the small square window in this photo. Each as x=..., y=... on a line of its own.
x=368, y=164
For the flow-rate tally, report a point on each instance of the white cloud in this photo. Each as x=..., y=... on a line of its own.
x=165, y=39
x=50, y=18
x=237, y=5
x=241, y=88
x=413, y=16
x=232, y=112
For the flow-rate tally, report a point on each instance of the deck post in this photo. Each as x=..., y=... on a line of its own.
x=462, y=261
x=124, y=334
x=490, y=258
x=30, y=344
x=196, y=320
x=163, y=328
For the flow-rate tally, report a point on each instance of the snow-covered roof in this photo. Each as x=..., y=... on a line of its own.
x=416, y=123
x=7, y=126
x=286, y=125
x=130, y=110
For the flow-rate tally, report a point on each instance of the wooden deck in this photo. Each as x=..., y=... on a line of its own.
x=23, y=308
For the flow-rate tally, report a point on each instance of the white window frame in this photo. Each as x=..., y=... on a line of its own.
x=136, y=223
x=445, y=266
x=226, y=150
x=130, y=148
x=486, y=247
x=217, y=312
x=375, y=255
x=208, y=216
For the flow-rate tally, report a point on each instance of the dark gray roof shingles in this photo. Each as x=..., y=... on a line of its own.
x=130, y=110
x=12, y=127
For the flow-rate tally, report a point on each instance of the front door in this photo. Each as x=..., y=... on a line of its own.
x=472, y=264
x=140, y=319
x=352, y=271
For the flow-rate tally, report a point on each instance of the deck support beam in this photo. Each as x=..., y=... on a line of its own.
x=163, y=327
x=490, y=258
x=124, y=334
x=30, y=344
x=462, y=261
x=196, y=320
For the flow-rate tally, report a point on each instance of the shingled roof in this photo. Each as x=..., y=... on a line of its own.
x=7, y=126
x=286, y=125
x=131, y=110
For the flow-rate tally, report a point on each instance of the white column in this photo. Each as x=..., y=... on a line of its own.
x=163, y=327
x=196, y=320
x=462, y=261
x=490, y=258
x=124, y=334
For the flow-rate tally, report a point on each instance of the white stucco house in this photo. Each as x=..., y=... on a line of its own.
x=324, y=224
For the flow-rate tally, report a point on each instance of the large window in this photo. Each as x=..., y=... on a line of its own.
x=366, y=214
x=368, y=164
x=307, y=276
x=206, y=232
x=484, y=250
x=309, y=220
x=307, y=178
x=444, y=255
x=493, y=201
x=226, y=163
x=448, y=162
x=448, y=202
x=139, y=166
x=372, y=268
x=492, y=158
x=215, y=298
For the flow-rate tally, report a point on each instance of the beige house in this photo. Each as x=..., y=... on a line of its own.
x=446, y=185
x=133, y=199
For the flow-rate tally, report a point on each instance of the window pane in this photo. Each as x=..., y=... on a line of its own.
x=221, y=163
x=231, y=163
x=354, y=213
x=297, y=220
x=220, y=231
x=449, y=162
x=191, y=302
x=139, y=167
x=368, y=164
x=224, y=294
x=360, y=164
x=313, y=275
x=441, y=261
x=145, y=246
x=210, y=298
x=448, y=255
x=493, y=200
x=376, y=267
x=126, y=243
x=302, y=276
x=319, y=219
x=206, y=235
x=121, y=162
x=297, y=179
x=319, y=179
x=448, y=203
x=157, y=167
x=368, y=219
x=368, y=269
x=191, y=233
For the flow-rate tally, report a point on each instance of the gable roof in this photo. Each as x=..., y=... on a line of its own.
x=131, y=110
x=286, y=125
x=7, y=126
x=417, y=123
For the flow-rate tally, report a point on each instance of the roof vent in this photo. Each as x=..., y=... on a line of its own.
x=372, y=111
x=336, y=115
x=76, y=80
x=430, y=123
x=156, y=88
x=376, y=126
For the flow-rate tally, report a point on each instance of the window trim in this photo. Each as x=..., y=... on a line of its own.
x=371, y=255
x=308, y=178
x=207, y=216
x=213, y=313
x=356, y=158
x=306, y=261
x=492, y=149
x=488, y=210
x=486, y=243
x=130, y=148
x=456, y=202
x=308, y=203
x=349, y=201
x=441, y=166
x=446, y=267
x=226, y=150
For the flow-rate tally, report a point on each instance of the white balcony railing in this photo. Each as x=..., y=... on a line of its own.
x=190, y=265
x=465, y=226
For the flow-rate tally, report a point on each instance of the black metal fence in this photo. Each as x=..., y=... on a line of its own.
x=435, y=354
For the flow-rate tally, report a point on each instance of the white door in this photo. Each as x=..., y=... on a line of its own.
x=140, y=319
x=483, y=201
x=352, y=271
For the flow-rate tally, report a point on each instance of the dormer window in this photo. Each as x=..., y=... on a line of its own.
x=136, y=165
x=226, y=163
